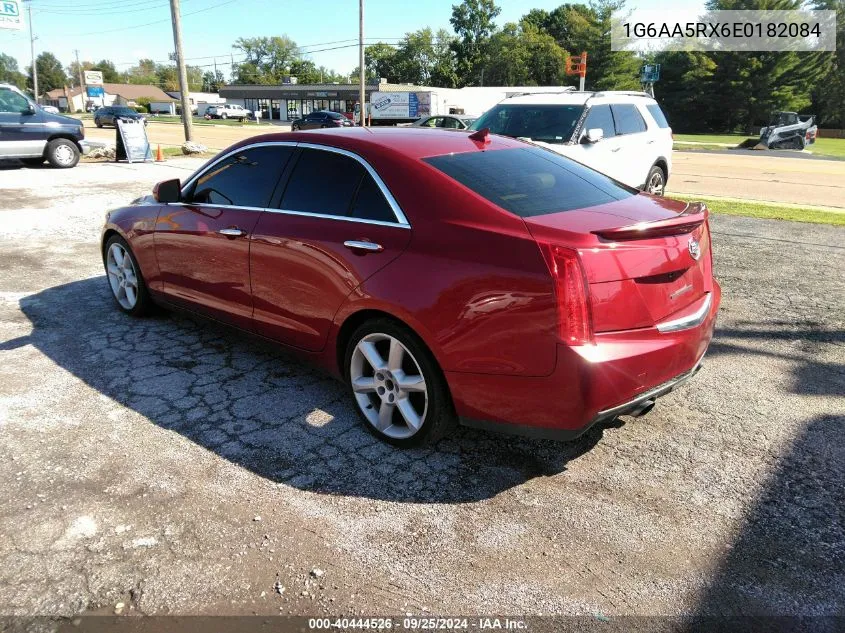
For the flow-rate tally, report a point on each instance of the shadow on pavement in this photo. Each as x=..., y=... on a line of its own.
x=264, y=410
x=790, y=553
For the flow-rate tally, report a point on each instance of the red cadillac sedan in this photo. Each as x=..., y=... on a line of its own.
x=445, y=277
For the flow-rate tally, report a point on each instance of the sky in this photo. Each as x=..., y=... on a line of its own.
x=327, y=31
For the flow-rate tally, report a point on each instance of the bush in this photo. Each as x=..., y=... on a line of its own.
x=142, y=109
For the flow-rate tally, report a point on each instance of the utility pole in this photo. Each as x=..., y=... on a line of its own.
x=361, y=74
x=83, y=96
x=32, y=39
x=183, y=73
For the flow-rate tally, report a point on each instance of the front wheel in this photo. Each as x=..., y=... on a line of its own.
x=98, y=123
x=655, y=183
x=398, y=388
x=125, y=280
x=224, y=116
x=294, y=128
x=62, y=153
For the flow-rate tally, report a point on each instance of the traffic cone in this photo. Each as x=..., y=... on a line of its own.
x=159, y=155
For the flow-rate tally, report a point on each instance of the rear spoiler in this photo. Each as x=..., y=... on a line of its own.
x=692, y=217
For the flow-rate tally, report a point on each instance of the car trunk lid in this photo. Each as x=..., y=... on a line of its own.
x=645, y=258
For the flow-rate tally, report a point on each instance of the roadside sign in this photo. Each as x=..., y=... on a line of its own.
x=92, y=77
x=94, y=91
x=132, y=143
x=11, y=14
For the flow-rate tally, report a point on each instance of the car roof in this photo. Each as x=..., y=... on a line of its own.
x=579, y=98
x=413, y=142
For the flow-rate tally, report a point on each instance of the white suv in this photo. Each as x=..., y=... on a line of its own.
x=622, y=134
x=228, y=111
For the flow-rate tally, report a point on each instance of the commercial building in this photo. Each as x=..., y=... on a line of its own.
x=287, y=102
x=73, y=99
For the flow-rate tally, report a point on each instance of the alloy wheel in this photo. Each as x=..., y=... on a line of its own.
x=123, y=278
x=389, y=386
x=656, y=184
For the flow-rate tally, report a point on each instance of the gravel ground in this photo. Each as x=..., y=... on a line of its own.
x=177, y=467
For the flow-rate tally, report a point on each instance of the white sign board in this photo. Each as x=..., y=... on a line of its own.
x=92, y=77
x=11, y=14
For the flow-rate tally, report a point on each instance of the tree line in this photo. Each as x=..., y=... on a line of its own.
x=700, y=91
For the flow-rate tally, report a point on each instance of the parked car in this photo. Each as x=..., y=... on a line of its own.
x=446, y=121
x=32, y=135
x=444, y=277
x=228, y=111
x=622, y=134
x=321, y=118
x=108, y=115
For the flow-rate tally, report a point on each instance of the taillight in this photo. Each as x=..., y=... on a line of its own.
x=575, y=323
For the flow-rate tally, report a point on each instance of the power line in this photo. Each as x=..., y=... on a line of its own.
x=136, y=26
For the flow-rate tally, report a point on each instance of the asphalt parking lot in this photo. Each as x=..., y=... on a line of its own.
x=171, y=466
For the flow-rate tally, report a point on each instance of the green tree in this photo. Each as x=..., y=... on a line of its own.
x=759, y=83
x=684, y=90
x=268, y=59
x=212, y=81
x=143, y=73
x=9, y=72
x=425, y=58
x=110, y=73
x=523, y=55
x=473, y=22
x=51, y=73
x=829, y=93
x=380, y=61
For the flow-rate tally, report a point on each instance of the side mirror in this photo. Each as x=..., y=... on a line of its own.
x=594, y=135
x=30, y=109
x=168, y=191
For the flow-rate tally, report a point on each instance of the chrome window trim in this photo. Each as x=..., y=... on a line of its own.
x=196, y=176
x=345, y=218
x=391, y=201
x=401, y=219
x=689, y=321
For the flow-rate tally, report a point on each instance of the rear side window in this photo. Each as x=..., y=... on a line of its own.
x=244, y=179
x=656, y=113
x=628, y=118
x=370, y=203
x=322, y=182
x=530, y=181
x=601, y=118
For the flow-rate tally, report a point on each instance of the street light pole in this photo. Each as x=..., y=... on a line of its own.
x=361, y=74
x=183, y=73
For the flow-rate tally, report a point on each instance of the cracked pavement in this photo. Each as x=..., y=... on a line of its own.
x=176, y=466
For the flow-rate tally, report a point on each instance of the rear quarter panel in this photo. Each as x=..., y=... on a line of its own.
x=472, y=282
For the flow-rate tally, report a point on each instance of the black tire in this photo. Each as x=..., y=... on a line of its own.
x=439, y=418
x=144, y=304
x=655, y=182
x=294, y=128
x=98, y=123
x=33, y=162
x=62, y=153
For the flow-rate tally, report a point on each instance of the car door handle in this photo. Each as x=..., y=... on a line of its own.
x=232, y=232
x=615, y=149
x=649, y=142
x=356, y=245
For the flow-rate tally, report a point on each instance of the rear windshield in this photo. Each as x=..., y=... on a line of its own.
x=546, y=123
x=531, y=181
x=124, y=111
x=658, y=115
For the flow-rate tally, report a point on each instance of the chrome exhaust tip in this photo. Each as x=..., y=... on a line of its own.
x=642, y=408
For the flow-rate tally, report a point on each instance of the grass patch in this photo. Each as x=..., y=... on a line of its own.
x=769, y=211
x=827, y=147
x=202, y=121
x=735, y=139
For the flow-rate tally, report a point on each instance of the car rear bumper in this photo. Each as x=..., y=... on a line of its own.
x=590, y=384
